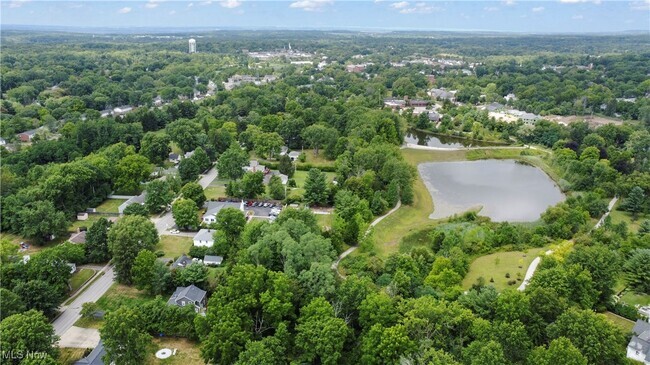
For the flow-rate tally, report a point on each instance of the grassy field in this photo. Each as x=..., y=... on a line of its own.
x=80, y=277
x=300, y=177
x=121, y=295
x=89, y=323
x=496, y=265
x=324, y=220
x=316, y=160
x=174, y=246
x=633, y=298
x=620, y=216
x=110, y=206
x=623, y=323
x=187, y=352
x=68, y=355
x=215, y=192
x=92, y=218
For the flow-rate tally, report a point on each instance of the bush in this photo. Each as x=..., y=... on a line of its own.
x=507, y=275
x=624, y=310
x=198, y=251
x=88, y=309
x=160, y=253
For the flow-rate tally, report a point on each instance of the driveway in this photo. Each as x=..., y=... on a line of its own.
x=71, y=313
x=81, y=338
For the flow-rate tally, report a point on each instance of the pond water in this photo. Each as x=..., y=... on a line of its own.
x=504, y=189
x=435, y=140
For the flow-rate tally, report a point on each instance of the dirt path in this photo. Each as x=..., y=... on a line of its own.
x=335, y=264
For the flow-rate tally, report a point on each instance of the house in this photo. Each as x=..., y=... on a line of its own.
x=212, y=260
x=27, y=136
x=106, y=113
x=174, y=157
x=434, y=117
x=182, y=261
x=138, y=199
x=639, y=347
x=355, y=68
x=418, y=102
x=188, y=154
x=442, y=94
x=530, y=118
x=121, y=110
x=510, y=97
x=79, y=237
x=2, y=142
x=204, y=238
x=293, y=155
x=494, y=107
x=188, y=295
x=212, y=208
x=94, y=357
x=254, y=166
x=157, y=101
x=82, y=216
x=394, y=103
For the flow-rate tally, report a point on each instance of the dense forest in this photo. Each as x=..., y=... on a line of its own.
x=277, y=298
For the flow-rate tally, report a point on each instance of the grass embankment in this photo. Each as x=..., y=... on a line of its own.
x=495, y=266
x=623, y=323
x=411, y=218
x=68, y=355
x=110, y=206
x=174, y=246
x=79, y=278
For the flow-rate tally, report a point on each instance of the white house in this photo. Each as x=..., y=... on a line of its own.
x=212, y=208
x=212, y=260
x=530, y=118
x=205, y=238
x=639, y=347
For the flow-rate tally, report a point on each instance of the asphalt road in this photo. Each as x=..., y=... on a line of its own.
x=94, y=291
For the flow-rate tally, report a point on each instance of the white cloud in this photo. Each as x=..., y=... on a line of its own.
x=490, y=9
x=310, y=5
x=419, y=8
x=209, y=2
x=75, y=6
x=509, y=2
x=399, y=5
x=152, y=4
x=190, y=5
x=230, y=4
x=172, y=12
x=18, y=3
x=537, y=9
x=577, y=17
x=124, y=10
x=580, y=1
x=640, y=5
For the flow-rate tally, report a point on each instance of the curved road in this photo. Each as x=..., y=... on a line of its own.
x=335, y=264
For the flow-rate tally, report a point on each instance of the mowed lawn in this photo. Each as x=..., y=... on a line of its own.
x=80, y=277
x=187, y=352
x=174, y=246
x=110, y=206
x=497, y=265
x=301, y=176
x=324, y=220
x=621, y=216
x=633, y=298
x=623, y=323
x=119, y=295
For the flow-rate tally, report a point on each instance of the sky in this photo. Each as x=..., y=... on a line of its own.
x=552, y=16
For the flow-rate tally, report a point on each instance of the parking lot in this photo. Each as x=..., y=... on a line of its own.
x=262, y=211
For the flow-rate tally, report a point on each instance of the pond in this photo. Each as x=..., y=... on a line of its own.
x=441, y=141
x=504, y=190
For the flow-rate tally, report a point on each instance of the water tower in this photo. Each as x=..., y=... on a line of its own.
x=192, y=45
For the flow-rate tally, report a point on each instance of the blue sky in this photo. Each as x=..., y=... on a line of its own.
x=505, y=15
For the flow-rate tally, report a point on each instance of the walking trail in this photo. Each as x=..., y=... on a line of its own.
x=533, y=265
x=335, y=264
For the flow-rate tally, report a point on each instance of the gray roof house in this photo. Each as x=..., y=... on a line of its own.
x=530, y=118
x=204, y=237
x=212, y=208
x=493, y=107
x=639, y=347
x=442, y=94
x=189, y=295
x=138, y=199
x=94, y=357
x=212, y=260
x=434, y=116
x=293, y=155
x=181, y=262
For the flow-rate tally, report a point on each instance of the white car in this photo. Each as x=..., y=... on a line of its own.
x=174, y=231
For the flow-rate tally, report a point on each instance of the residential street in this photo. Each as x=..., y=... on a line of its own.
x=71, y=313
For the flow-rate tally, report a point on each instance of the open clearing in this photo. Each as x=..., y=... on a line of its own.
x=497, y=265
x=174, y=246
x=110, y=206
x=79, y=278
x=623, y=323
x=187, y=352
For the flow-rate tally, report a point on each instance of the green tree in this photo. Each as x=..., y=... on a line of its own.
x=159, y=196
x=232, y=162
x=40, y=220
x=316, y=192
x=377, y=308
x=195, y=274
x=127, y=237
x=598, y=340
x=40, y=295
x=231, y=221
x=202, y=159
x=28, y=332
x=186, y=214
x=136, y=209
x=194, y=192
x=124, y=337
x=318, y=135
x=386, y=345
x=276, y=189
x=97, y=241
x=637, y=270
x=560, y=351
x=143, y=270
x=130, y=172
x=11, y=303
x=285, y=166
x=155, y=147
x=184, y=133
x=320, y=336
x=635, y=201
x=8, y=250
x=252, y=184
x=484, y=353
x=404, y=87
x=188, y=170
x=602, y=263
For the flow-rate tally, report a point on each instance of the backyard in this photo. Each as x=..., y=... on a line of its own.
x=121, y=295
x=187, y=352
x=174, y=246
x=495, y=266
x=110, y=206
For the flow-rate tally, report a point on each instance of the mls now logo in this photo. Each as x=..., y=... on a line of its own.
x=19, y=355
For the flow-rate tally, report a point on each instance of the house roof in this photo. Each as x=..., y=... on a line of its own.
x=182, y=261
x=530, y=116
x=94, y=357
x=173, y=156
x=212, y=260
x=641, y=340
x=188, y=293
x=294, y=154
x=78, y=237
x=495, y=106
x=205, y=235
x=30, y=132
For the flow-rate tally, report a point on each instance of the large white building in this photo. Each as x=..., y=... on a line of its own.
x=192, y=45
